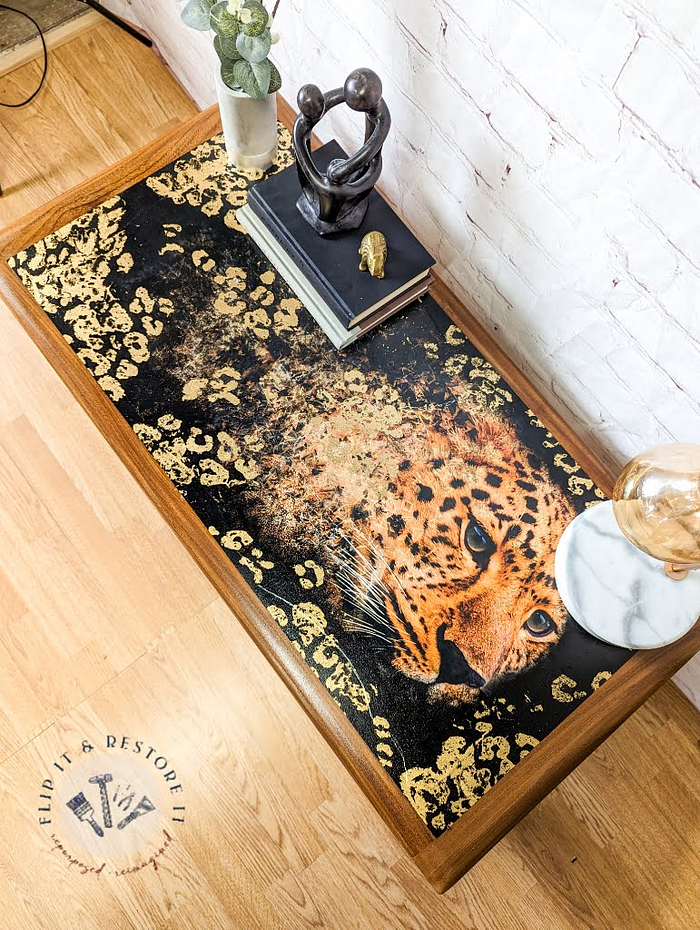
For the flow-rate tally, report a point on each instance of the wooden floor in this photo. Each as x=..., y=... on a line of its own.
x=107, y=626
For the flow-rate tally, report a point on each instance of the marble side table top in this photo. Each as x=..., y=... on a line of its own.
x=615, y=591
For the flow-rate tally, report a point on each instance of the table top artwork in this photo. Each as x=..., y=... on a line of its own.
x=395, y=507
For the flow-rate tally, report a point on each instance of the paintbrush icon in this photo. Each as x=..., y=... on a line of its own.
x=84, y=810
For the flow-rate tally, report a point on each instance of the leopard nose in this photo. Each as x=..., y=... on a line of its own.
x=454, y=668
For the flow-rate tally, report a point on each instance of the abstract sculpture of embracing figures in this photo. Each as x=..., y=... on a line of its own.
x=336, y=200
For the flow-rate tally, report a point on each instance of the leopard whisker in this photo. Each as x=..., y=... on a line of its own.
x=350, y=570
x=368, y=602
x=380, y=555
x=358, y=555
x=388, y=593
x=368, y=598
x=371, y=610
x=352, y=575
x=366, y=594
x=367, y=632
x=359, y=569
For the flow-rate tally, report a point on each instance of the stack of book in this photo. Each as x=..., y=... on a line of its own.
x=324, y=271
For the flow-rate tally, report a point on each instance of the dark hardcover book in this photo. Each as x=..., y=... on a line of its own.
x=331, y=262
x=415, y=292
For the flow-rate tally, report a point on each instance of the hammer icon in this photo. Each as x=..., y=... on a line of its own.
x=102, y=781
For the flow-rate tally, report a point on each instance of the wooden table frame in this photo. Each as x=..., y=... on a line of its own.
x=445, y=859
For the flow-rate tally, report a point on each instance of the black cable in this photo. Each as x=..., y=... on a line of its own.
x=94, y=5
x=46, y=57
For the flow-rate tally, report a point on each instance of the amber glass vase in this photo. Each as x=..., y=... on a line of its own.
x=656, y=502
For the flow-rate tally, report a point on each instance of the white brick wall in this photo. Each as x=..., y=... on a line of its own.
x=549, y=155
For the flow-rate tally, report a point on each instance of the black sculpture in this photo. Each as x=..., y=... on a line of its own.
x=337, y=200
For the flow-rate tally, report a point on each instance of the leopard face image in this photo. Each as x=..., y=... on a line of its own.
x=443, y=553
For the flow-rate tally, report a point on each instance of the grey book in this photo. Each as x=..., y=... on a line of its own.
x=339, y=335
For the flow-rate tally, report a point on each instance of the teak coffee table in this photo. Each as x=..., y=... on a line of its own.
x=383, y=521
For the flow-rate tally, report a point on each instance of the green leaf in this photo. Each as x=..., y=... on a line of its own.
x=263, y=73
x=275, y=80
x=258, y=23
x=254, y=48
x=253, y=77
x=196, y=14
x=226, y=49
x=227, y=74
x=222, y=22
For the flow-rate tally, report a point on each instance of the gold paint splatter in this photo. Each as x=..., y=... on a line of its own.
x=482, y=388
x=252, y=560
x=560, y=694
x=355, y=381
x=384, y=750
x=523, y=740
x=194, y=388
x=600, y=679
x=579, y=483
x=344, y=681
x=236, y=539
x=278, y=614
x=309, y=619
x=204, y=180
x=454, y=336
x=203, y=260
x=186, y=458
x=549, y=442
x=255, y=566
x=316, y=571
x=111, y=340
x=563, y=461
x=222, y=385
x=287, y=317
x=457, y=780
x=381, y=724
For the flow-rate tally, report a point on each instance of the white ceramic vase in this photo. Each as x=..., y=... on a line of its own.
x=250, y=127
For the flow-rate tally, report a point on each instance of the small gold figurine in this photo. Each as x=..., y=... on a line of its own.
x=373, y=251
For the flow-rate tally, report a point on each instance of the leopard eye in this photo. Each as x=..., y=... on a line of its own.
x=539, y=623
x=476, y=537
x=478, y=542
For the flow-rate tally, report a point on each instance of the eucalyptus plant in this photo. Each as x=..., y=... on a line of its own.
x=242, y=39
